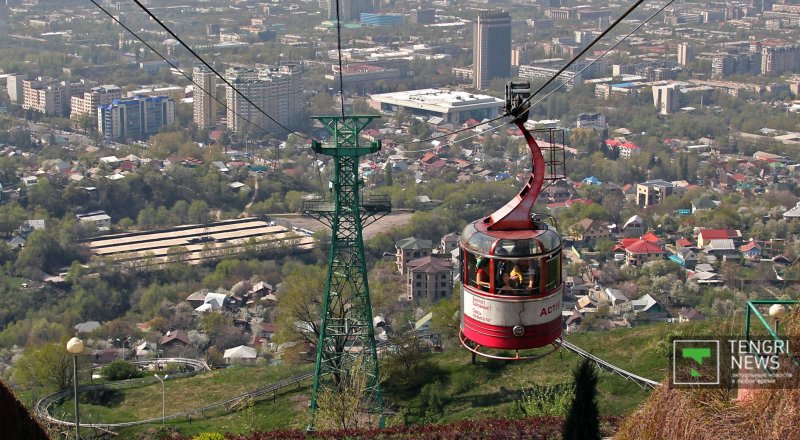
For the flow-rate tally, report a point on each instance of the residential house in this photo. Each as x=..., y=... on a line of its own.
x=586, y=305
x=792, y=214
x=653, y=192
x=213, y=302
x=174, y=342
x=429, y=278
x=641, y=251
x=422, y=326
x=99, y=219
x=722, y=249
x=450, y=242
x=196, y=299
x=751, y=251
x=703, y=204
x=704, y=277
x=145, y=350
x=573, y=322
x=30, y=180
x=687, y=257
x=648, y=308
x=240, y=355
x=707, y=235
x=409, y=249
x=588, y=231
x=634, y=227
x=683, y=242
x=615, y=297
x=107, y=355
x=687, y=314
x=654, y=239
x=87, y=327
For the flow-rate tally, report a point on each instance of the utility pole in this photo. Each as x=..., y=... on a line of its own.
x=346, y=338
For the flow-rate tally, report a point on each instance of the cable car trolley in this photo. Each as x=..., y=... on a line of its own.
x=511, y=261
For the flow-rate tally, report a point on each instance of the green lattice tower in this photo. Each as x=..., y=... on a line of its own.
x=346, y=336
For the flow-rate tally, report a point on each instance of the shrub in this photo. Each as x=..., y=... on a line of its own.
x=209, y=436
x=120, y=370
x=102, y=396
x=547, y=400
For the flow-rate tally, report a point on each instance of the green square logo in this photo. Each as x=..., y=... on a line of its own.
x=695, y=362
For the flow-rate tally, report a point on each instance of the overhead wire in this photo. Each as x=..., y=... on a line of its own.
x=542, y=99
x=225, y=80
x=210, y=93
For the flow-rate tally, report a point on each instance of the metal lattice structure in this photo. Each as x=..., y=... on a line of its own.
x=346, y=344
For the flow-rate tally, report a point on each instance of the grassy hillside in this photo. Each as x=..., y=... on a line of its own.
x=464, y=391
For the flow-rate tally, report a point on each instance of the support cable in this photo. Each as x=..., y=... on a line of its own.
x=225, y=80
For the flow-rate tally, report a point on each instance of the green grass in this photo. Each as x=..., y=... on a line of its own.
x=144, y=401
x=488, y=389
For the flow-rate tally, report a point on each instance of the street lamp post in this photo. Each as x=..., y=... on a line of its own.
x=75, y=347
x=777, y=312
x=163, y=411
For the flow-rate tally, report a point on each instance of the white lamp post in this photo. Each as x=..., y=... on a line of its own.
x=75, y=347
x=777, y=312
x=162, y=396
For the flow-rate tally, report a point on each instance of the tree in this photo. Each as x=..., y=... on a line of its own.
x=47, y=365
x=345, y=407
x=11, y=217
x=446, y=320
x=583, y=419
x=300, y=304
x=120, y=370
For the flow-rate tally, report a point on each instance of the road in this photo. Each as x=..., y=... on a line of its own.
x=388, y=222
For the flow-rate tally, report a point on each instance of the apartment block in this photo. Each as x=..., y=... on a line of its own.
x=135, y=118
x=205, y=106
x=276, y=90
x=95, y=97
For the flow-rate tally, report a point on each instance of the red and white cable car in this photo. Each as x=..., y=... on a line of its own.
x=511, y=264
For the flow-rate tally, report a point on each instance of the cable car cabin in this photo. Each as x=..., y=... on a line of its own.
x=511, y=262
x=512, y=287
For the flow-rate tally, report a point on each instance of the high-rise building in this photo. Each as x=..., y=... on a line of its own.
x=423, y=16
x=665, y=98
x=14, y=86
x=350, y=10
x=95, y=97
x=779, y=59
x=205, y=108
x=47, y=96
x=491, y=47
x=135, y=118
x=685, y=53
x=275, y=90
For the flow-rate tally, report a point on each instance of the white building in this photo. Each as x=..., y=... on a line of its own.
x=205, y=107
x=275, y=90
x=98, y=218
x=451, y=106
x=666, y=99
x=95, y=97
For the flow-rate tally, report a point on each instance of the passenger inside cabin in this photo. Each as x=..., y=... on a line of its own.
x=507, y=288
x=482, y=274
x=533, y=276
x=516, y=276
